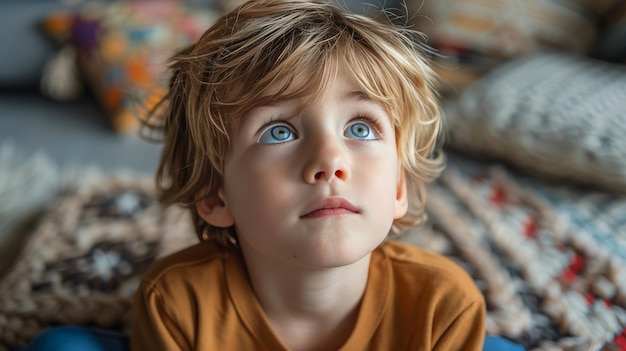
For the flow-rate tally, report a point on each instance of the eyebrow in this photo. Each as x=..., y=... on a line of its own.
x=353, y=94
x=358, y=94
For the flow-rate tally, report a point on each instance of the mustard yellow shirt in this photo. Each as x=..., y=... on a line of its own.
x=201, y=299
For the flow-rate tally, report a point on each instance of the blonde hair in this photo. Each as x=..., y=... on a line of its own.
x=267, y=43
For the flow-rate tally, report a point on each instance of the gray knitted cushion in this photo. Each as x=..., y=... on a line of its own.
x=559, y=115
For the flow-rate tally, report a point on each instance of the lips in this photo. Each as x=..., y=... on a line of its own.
x=332, y=206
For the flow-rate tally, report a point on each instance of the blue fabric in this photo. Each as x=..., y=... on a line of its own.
x=495, y=343
x=85, y=339
x=78, y=339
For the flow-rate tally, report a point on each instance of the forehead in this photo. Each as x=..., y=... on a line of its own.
x=303, y=89
x=309, y=84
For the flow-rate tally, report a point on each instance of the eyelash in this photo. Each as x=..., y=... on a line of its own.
x=365, y=117
x=374, y=123
x=272, y=122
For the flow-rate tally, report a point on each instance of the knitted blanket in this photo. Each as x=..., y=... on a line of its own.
x=550, y=260
x=84, y=260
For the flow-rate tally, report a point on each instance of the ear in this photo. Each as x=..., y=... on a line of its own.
x=214, y=211
x=402, y=201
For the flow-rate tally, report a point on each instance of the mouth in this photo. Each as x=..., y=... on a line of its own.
x=332, y=206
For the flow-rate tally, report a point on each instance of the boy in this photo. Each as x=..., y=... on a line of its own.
x=300, y=136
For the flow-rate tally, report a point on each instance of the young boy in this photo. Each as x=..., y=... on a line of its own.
x=300, y=136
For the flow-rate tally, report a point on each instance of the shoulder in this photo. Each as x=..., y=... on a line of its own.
x=192, y=265
x=183, y=293
x=418, y=270
x=429, y=262
x=433, y=302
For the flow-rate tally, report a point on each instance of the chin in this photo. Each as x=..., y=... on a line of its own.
x=340, y=255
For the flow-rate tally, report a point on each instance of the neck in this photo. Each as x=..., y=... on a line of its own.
x=309, y=308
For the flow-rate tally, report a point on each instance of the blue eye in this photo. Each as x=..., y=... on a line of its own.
x=276, y=134
x=360, y=130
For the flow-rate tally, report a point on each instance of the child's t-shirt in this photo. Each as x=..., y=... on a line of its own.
x=201, y=299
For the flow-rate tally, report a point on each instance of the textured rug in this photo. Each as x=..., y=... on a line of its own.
x=82, y=263
x=550, y=260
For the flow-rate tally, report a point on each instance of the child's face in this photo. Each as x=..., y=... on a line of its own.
x=319, y=186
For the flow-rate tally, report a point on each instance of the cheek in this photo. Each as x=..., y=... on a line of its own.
x=387, y=189
x=251, y=183
x=387, y=180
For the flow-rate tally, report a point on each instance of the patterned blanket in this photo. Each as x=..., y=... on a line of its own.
x=83, y=262
x=550, y=260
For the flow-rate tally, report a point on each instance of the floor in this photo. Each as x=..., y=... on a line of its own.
x=73, y=134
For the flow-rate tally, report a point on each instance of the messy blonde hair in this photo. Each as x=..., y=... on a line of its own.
x=267, y=43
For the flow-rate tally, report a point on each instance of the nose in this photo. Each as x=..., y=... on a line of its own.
x=326, y=162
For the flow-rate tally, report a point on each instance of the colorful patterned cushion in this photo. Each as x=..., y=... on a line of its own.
x=474, y=36
x=122, y=50
x=554, y=114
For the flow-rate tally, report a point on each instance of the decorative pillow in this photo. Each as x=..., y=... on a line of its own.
x=555, y=114
x=122, y=49
x=84, y=259
x=474, y=36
